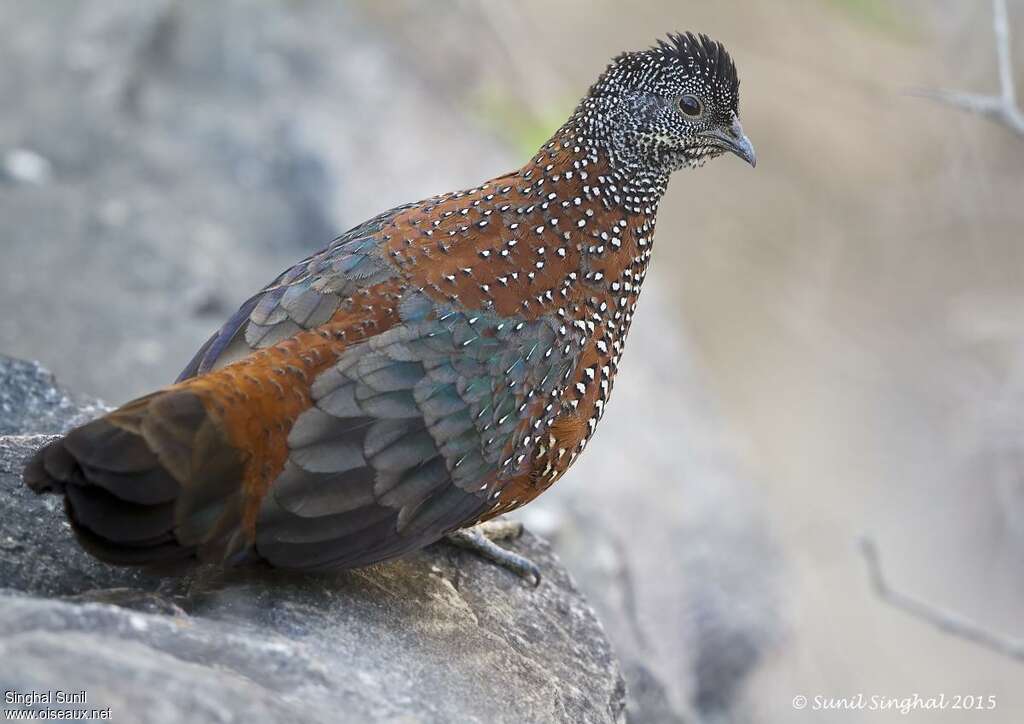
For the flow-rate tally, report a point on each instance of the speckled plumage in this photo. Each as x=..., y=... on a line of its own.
x=439, y=365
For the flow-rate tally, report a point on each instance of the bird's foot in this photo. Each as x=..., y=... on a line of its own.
x=480, y=540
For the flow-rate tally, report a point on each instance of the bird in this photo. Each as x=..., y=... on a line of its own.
x=430, y=370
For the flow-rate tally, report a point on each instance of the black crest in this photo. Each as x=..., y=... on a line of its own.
x=704, y=57
x=678, y=63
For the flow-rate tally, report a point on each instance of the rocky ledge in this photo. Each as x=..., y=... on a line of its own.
x=438, y=637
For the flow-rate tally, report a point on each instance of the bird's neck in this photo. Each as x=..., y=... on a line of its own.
x=569, y=235
x=590, y=147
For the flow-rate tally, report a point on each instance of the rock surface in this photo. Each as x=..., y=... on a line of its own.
x=438, y=637
x=31, y=402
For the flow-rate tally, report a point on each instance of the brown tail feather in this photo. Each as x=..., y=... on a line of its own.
x=152, y=481
x=182, y=472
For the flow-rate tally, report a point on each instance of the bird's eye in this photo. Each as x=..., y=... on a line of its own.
x=691, y=106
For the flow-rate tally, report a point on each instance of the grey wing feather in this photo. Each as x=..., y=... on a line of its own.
x=407, y=429
x=303, y=297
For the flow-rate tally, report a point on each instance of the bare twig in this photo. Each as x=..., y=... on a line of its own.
x=946, y=621
x=1001, y=108
x=627, y=587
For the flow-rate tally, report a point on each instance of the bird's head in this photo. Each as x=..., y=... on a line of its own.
x=672, y=106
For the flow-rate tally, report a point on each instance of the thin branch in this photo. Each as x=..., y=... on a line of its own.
x=1001, y=108
x=946, y=621
x=627, y=587
x=1001, y=26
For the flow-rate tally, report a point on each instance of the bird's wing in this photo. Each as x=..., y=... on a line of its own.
x=303, y=297
x=412, y=434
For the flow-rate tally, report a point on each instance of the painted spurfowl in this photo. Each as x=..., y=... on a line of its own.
x=434, y=367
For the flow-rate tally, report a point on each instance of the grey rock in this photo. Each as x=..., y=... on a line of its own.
x=31, y=402
x=439, y=636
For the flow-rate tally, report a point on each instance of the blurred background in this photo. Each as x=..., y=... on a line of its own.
x=828, y=347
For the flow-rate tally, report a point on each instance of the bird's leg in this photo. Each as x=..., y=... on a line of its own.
x=480, y=540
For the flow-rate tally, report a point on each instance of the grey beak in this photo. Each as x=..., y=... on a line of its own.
x=736, y=141
x=741, y=145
